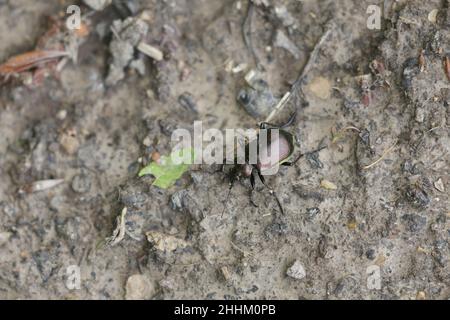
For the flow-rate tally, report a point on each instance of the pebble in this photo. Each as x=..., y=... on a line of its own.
x=312, y=212
x=417, y=196
x=97, y=4
x=439, y=185
x=81, y=183
x=421, y=295
x=196, y=177
x=139, y=287
x=296, y=271
x=4, y=237
x=256, y=97
x=371, y=254
x=164, y=242
x=187, y=101
x=314, y=161
x=420, y=115
x=181, y=201
x=373, y=273
x=321, y=88
x=432, y=16
x=176, y=200
x=414, y=222
x=328, y=185
x=69, y=143
x=62, y=114
x=284, y=16
x=147, y=141
x=58, y=203
x=151, y=51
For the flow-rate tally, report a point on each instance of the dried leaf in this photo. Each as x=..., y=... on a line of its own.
x=432, y=16
x=447, y=67
x=165, y=243
x=29, y=60
x=328, y=185
x=119, y=231
x=42, y=185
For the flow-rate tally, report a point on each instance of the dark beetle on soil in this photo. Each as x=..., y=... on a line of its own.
x=286, y=148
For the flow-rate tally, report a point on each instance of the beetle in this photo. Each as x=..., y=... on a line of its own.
x=286, y=149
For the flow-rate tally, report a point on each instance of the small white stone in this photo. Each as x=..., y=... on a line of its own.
x=98, y=5
x=321, y=88
x=4, y=237
x=62, y=114
x=139, y=287
x=296, y=271
x=420, y=115
x=147, y=141
x=432, y=16
x=439, y=185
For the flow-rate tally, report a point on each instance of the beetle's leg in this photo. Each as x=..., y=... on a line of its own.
x=261, y=177
x=271, y=191
x=252, y=182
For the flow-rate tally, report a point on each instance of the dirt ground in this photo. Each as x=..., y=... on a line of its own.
x=366, y=218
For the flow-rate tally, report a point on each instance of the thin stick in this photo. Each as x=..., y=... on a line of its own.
x=245, y=253
x=279, y=106
x=385, y=153
x=311, y=60
x=297, y=83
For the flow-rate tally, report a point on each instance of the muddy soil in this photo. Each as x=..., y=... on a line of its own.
x=366, y=218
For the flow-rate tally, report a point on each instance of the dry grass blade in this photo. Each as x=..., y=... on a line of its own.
x=385, y=153
x=447, y=67
x=29, y=60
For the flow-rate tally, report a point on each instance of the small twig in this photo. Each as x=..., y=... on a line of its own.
x=279, y=106
x=312, y=58
x=385, y=153
x=438, y=127
x=150, y=51
x=245, y=253
x=119, y=232
x=340, y=133
x=116, y=33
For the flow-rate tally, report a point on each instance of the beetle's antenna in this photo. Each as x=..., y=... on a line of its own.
x=307, y=153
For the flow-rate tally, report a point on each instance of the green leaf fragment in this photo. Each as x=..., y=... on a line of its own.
x=167, y=172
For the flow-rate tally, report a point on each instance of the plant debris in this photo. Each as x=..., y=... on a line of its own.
x=119, y=232
x=127, y=37
x=328, y=185
x=296, y=271
x=41, y=185
x=447, y=67
x=165, y=171
x=165, y=243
